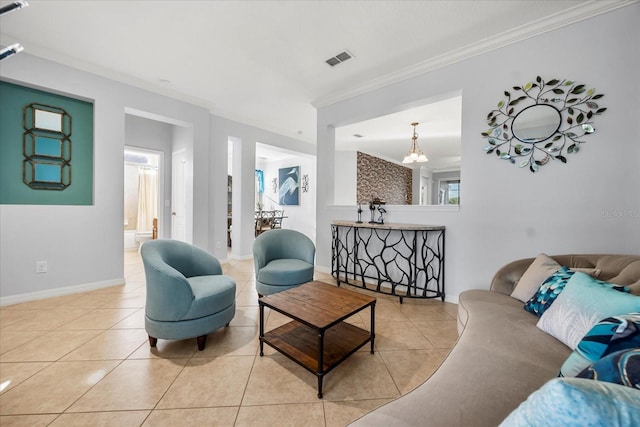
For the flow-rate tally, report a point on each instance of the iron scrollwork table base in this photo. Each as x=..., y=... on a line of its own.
x=404, y=260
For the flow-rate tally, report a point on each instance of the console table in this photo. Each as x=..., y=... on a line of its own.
x=404, y=260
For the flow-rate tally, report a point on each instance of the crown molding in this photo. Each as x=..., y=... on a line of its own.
x=567, y=17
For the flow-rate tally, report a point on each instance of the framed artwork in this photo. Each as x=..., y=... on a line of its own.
x=289, y=190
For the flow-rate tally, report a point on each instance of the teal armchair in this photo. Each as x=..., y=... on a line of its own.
x=283, y=259
x=187, y=295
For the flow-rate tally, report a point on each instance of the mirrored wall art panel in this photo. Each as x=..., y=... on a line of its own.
x=46, y=118
x=542, y=121
x=46, y=146
x=43, y=175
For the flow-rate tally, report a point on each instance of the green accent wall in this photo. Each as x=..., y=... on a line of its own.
x=13, y=190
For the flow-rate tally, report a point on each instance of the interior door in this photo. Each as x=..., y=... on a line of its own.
x=178, y=199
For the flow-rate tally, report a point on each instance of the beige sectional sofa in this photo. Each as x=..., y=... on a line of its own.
x=500, y=358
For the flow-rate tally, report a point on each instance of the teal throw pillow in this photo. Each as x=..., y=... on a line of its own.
x=621, y=367
x=607, y=336
x=548, y=291
x=578, y=402
x=584, y=302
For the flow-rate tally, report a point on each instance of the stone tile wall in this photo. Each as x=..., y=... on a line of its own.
x=380, y=178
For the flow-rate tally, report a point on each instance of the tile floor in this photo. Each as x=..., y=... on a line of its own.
x=84, y=359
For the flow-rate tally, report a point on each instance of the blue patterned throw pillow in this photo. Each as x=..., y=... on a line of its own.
x=553, y=286
x=621, y=367
x=548, y=291
x=607, y=336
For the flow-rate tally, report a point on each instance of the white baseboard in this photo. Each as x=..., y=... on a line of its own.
x=67, y=290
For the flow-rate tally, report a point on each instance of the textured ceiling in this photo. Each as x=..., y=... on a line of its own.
x=262, y=62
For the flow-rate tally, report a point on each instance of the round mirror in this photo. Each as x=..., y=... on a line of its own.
x=536, y=123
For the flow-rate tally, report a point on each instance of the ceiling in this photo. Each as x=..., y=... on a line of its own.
x=262, y=62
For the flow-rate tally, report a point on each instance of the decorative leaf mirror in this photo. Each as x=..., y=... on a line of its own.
x=541, y=121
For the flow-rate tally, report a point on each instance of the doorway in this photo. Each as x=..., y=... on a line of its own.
x=142, y=195
x=178, y=195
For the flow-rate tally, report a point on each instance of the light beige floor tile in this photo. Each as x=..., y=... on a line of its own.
x=288, y=415
x=276, y=380
x=166, y=349
x=452, y=309
x=133, y=385
x=247, y=299
x=92, y=299
x=339, y=414
x=12, y=374
x=441, y=333
x=212, y=417
x=425, y=311
x=103, y=318
x=387, y=312
x=219, y=381
x=136, y=383
x=110, y=344
x=9, y=316
x=231, y=341
x=130, y=300
x=246, y=316
x=106, y=419
x=12, y=339
x=55, y=388
x=361, y=376
x=410, y=368
x=399, y=335
x=27, y=420
x=48, y=347
x=46, y=303
x=275, y=319
x=134, y=321
x=42, y=320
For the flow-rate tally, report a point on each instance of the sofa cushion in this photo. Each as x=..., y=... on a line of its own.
x=584, y=302
x=285, y=272
x=607, y=336
x=621, y=367
x=212, y=294
x=577, y=402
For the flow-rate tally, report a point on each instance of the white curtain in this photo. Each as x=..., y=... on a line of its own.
x=147, y=199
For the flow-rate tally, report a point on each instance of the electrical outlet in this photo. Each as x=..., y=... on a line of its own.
x=41, y=266
x=218, y=245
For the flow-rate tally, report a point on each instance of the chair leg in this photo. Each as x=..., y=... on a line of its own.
x=202, y=341
x=153, y=341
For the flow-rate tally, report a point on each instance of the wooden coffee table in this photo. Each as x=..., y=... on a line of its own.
x=317, y=338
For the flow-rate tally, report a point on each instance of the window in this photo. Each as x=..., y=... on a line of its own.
x=449, y=193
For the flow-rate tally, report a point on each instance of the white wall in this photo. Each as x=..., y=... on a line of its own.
x=346, y=177
x=84, y=244
x=590, y=204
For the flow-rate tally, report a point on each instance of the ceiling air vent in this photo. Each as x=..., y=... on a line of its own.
x=339, y=58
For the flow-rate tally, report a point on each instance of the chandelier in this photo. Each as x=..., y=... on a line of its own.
x=416, y=154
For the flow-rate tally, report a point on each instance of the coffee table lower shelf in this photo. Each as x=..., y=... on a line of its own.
x=318, y=352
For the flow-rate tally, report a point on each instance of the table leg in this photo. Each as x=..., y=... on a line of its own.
x=320, y=362
x=261, y=329
x=373, y=324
